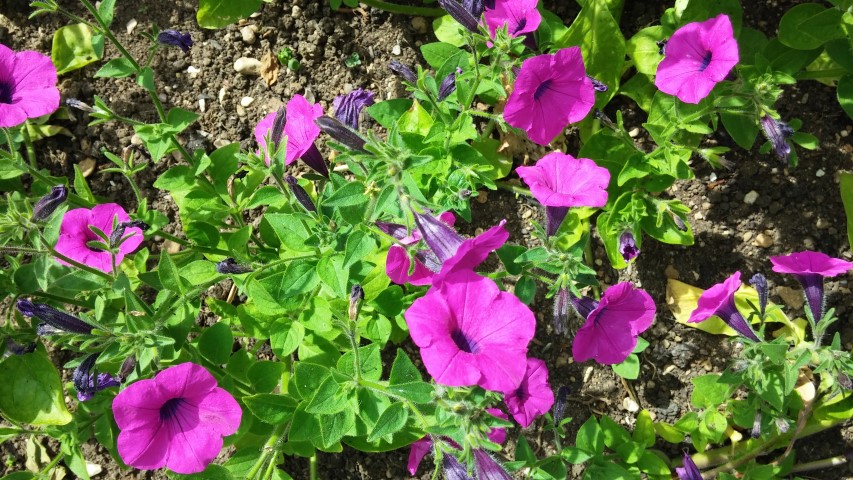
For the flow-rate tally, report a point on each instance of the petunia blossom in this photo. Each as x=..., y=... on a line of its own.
x=519, y=17
x=559, y=181
x=74, y=235
x=689, y=470
x=613, y=324
x=301, y=132
x=810, y=268
x=397, y=262
x=628, y=246
x=488, y=468
x=533, y=397
x=719, y=301
x=176, y=420
x=551, y=91
x=471, y=333
x=27, y=86
x=697, y=57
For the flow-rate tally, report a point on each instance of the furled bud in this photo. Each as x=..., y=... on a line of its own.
x=300, y=194
x=487, y=468
x=395, y=230
x=448, y=85
x=355, y=299
x=561, y=311
x=583, y=305
x=127, y=367
x=597, y=85
x=15, y=348
x=756, y=425
x=349, y=106
x=118, y=233
x=759, y=283
x=175, y=39
x=86, y=383
x=441, y=238
x=554, y=216
x=60, y=321
x=689, y=471
x=49, y=203
x=341, y=133
x=277, y=129
x=230, y=266
x=460, y=14
x=403, y=71
x=778, y=132
x=560, y=404
x=453, y=470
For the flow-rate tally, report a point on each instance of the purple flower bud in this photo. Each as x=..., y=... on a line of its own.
x=778, y=133
x=314, y=159
x=230, y=266
x=628, y=246
x=448, y=85
x=175, y=39
x=597, y=85
x=460, y=14
x=561, y=311
x=689, y=471
x=553, y=218
x=127, y=367
x=349, y=106
x=300, y=194
x=560, y=404
x=355, y=298
x=403, y=71
x=74, y=103
x=759, y=283
x=583, y=305
x=15, y=348
x=661, y=47
x=604, y=119
x=476, y=7
x=756, y=426
x=277, y=129
x=781, y=425
x=395, y=230
x=58, y=320
x=118, y=233
x=844, y=381
x=49, y=203
x=341, y=133
x=88, y=384
x=679, y=222
x=429, y=259
x=453, y=470
x=487, y=468
x=441, y=238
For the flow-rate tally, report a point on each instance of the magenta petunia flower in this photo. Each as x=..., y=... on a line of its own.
x=688, y=470
x=176, y=419
x=519, y=17
x=698, y=56
x=471, y=333
x=719, y=300
x=301, y=132
x=397, y=263
x=551, y=91
x=533, y=397
x=612, y=325
x=27, y=86
x=810, y=268
x=74, y=235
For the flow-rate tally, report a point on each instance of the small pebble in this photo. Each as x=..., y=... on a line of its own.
x=747, y=236
x=819, y=173
x=420, y=24
x=220, y=142
x=750, y=197
x=527, y=214
x=634, y=132
x=248, y=66
x=248, y=34
x=396, y=50
x=202, y=105
x=192, y=71
x=135, y=140
x=671, y=272
x=221, y=95
x=629, y=404
x=87, y=166
x=131, y=24
x=763, y=240
x=791, y=297
x=246, y=101
x=295, y=12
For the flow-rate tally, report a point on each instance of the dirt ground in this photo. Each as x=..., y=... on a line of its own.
x=795, y=208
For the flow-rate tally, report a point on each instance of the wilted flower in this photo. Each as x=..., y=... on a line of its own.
x=348, y=107
x=175, y=39
x=229, y=265
x=689, y=471
x=299, y=193
x=301, y=132
x=75, y=235
x=118, y=234
x=533, y=397
x=448, y=84
x=176, y=420
x=421, y=448
x=810, y=268
x=759, y=283
x=57, y=319
x=460, y=14
x=756, y=425
x=15, y=348
x=453, y=470
x=598, y=85
x=127, y=367
x=487, y=468
x=719, y=300
x=356, y=296
x=49, y=203
x=698, y=56
x=404, y=71
x=471, y=333
x=561, y=311
x=778, y=132
x=628, y=246
x=519, y=17
x=612, y=326
x=79, y=105
x=27, y=86
x=86, y=383
x=341, y=133
x=560, y=404
x=551, y=91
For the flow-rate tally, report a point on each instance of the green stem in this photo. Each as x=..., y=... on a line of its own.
x=511, y=187
x=405, y=9
x=267, y=451
x=50, y=466
x=312, y=466
x=31, y=152
x=93, y=271
x=816, y=74
x=185, y=243
x=105, y=29
x=820, y=464
x=60, y=299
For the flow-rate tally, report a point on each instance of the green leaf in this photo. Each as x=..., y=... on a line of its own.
x=221, y=13
x=31, y=391
x=809, y=25
x=300, y=277
x=847, y=200
x=265, y=375
x=845, y=94
x=669, y=433
x=168, y=274
x=653, y=464
x=285, y=337
x=81, y=187
x=629, y=369
x=602, y=45
x=590, y=437
x=270, y=408
x=290, y=229
x=211, y=472
x=525, y=289
x=449, y=31
x=349, y=195
x=145, y=79
x=392, y=419
x=216, y=342
x=116, y=68
x=106, y=10
x=613, y=434
x=307, y=377
x=742, y=128
x=644, y=50
x=437, y=53
x=74, y=46
x=644, y=430
x=359, y=245
x=403, y=370
x=328, y=398
x=386, y=113
x=370, y=362
x=708, y=392
x=575, y=455
x=180, y=119
x=333, y=274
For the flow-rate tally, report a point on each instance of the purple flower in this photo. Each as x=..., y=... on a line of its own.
x=88, y=384
x=561, y=311
x=698, y=56
x=176, y=420
x=59, y=320
x=460, y=14
x=301, y=132
x=611, y=329
x=49, y=203
x=487, y=468
x=533, y=397
x=175, y=39
x=559, y=181
x=689, y=471
x=810, y=268
x=778, y=132
x=471, y=333
x=628, y=246
x=497, y=434
x=519, y=17
x=349, y=106
x=75, y=235
x=719, y=300
x=27, y=86
x=551, y=91
x=448, y=85
x=427, y=264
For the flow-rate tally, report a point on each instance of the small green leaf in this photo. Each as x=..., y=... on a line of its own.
x=392, y=419
x=810, y=25
x=168, y=274
x=216, y=342
x=629, y=369
x=525, y=289
x=31, y=391
x=74, y=46
x=349, y=195
x=590, y=437
x=328, y=398
x=116, y=68
x=221, y=13
x=359, y=245
x=286, y=337
x=575, y=455
x=847, y=199
x=106, y=10
x=708, y=392
x=270, y=408
x=644, y=430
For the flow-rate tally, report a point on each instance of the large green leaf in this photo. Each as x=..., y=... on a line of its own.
x=31, y=392
x=847, y=199
x=810, y=25
x=220, y=13
x=74, y=46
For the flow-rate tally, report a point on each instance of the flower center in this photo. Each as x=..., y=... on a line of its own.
x=170, y=408
x=706, y=60
x=6, y=91
x=463, y=342
x=541, y=89
x=520, y=25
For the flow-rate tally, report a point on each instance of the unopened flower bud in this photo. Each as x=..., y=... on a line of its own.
x=759, y=283
x=460, y=14
x=230, y=266
x=58, y=320
x=403, y=71
x=300, y=194
x=15, y=348
x=118, y=233
x=86, y=383
x=277, y=129
x=756, y=426
x=341, y=133
x=561, y=311
x=453, y=470
x=778, y=132
x=448, y=85
x=597, y=85
x=355, y=298
x=441, y=238
x=49, y=203
x=487, y=468
x=844, y=381
x=126, y=368
x=74, y=103
x=560, y=404
x=781, y=425
x=175, y=39
x=583, y=305
x=679, y=222
x=349, y=106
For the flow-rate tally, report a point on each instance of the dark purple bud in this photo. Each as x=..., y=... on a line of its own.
x=583, y=305
x=661, y=47
x=314, y=159
x=560, y=404
x=175, y=39
x=395, y=230
x=561, y=311
x=605, y=120
x=453, y=470
x=679, y=222
x=778, y=133
x=628, y=246
x=759, y=283
x=87, y=384
x=15, y=348
x=57, y=319
x=475, y=7
x=49, y=203
x=74, y=103
x=448, y=85
x=403, y=71
x=277, y=129
x=598, y=85
x=756, y=426
x=355, y=298
x=460, y=14
x=844, y=381
x=230, y=266
x=349, y=106
x=689, y=471
x=487, y=468
x=341, y=133
x=553, y=218
x=127, y=367
x=300, y=194
x=118, y=233
x=441, y=238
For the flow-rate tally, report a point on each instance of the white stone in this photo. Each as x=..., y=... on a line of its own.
x=819, y=173
x=246, y=101
x=248, y=66
x=202, y=105
x=396, y=50
x=750, y=197
x=221, y=95
x=135, y=140
x=192, y=71
x=634, y=132
x=629, y=404
x=131, y=24
x=248, y=34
